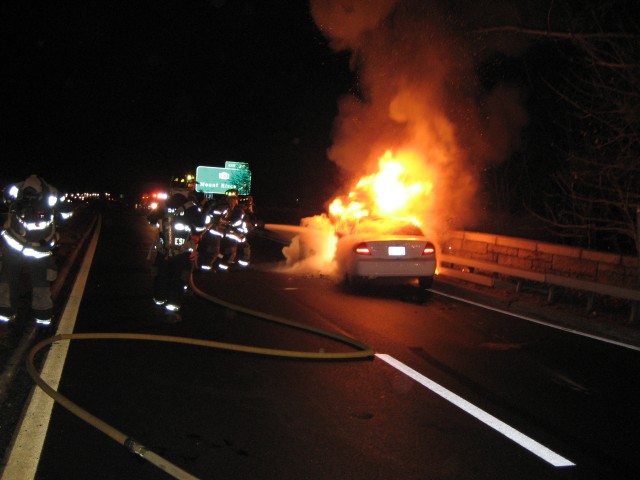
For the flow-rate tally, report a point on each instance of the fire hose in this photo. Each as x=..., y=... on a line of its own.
x=361, y=352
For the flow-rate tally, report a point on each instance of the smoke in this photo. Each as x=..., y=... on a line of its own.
x=419, y=95
x=311, y=250
x=418, y=90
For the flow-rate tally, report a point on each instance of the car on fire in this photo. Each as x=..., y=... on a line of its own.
x=396, y=255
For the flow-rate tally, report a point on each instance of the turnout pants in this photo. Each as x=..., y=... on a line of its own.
x=40, y=272
x=171, y=278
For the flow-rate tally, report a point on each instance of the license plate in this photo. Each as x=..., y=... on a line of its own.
x=396, y=251
x=178, y=241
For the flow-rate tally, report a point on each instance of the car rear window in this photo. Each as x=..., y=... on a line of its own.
x=408, y=230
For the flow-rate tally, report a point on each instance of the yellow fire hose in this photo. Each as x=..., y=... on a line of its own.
x=362, y=352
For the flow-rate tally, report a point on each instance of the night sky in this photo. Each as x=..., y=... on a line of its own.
x=114, y=95
x=110, y=95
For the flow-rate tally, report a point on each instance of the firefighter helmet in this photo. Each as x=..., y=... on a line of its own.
x=176, y=200
x=182, y=184
x=32, y=187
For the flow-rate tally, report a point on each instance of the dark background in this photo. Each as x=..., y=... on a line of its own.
x=119, y=95
x=114, y=95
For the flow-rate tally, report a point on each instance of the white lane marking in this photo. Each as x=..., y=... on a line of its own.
x=540, y=322
x=509, y=432
x=22, y=463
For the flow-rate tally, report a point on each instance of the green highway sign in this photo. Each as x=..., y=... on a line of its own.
x=219, y=180
x=239, y=165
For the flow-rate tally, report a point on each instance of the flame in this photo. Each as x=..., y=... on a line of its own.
x=401, y=187
x=400, y=192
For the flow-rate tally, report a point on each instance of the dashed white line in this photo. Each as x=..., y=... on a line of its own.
x=488, y=419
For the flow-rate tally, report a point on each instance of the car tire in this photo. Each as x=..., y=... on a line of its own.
x=425, y=282
x=352, y=283
x=348, y=281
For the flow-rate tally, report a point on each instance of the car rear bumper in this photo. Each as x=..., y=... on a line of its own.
x=380, y=268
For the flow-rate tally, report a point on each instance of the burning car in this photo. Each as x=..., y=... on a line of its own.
x=375, y=232
x=399, y=256
x=379, y=236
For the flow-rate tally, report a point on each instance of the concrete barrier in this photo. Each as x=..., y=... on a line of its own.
x=481, y=258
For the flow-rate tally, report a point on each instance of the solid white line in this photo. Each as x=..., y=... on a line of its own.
x=540, y=322
x=22, y=463
x=511, y=433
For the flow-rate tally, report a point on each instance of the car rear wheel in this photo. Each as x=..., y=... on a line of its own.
x=352, y=283
x=425, y=282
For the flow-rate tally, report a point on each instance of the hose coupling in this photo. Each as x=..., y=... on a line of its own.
x=135, y=447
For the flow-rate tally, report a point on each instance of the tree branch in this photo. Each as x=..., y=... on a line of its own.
x=554, y=34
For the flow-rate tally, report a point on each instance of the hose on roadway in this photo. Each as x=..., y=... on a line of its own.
x=361, y=352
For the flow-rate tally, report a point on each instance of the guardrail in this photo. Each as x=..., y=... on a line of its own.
x=483, y=258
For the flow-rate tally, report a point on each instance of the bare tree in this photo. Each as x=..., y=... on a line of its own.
x=594, y=198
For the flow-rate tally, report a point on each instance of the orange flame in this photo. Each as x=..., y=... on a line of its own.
x=401, y=187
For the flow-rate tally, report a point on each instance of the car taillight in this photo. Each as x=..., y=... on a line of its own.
x=429, y=249
x=362, y=249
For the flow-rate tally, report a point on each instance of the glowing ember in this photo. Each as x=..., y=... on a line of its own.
x=401, y=188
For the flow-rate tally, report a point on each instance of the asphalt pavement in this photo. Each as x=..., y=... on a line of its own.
x=606, y=318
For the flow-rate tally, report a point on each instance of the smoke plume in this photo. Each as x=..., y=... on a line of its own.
x=418, y=90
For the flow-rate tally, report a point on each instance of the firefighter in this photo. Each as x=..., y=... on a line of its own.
x=234, y=235
x=248, y=224
x=213, y=245
x=28, y=240
x=179, y=222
